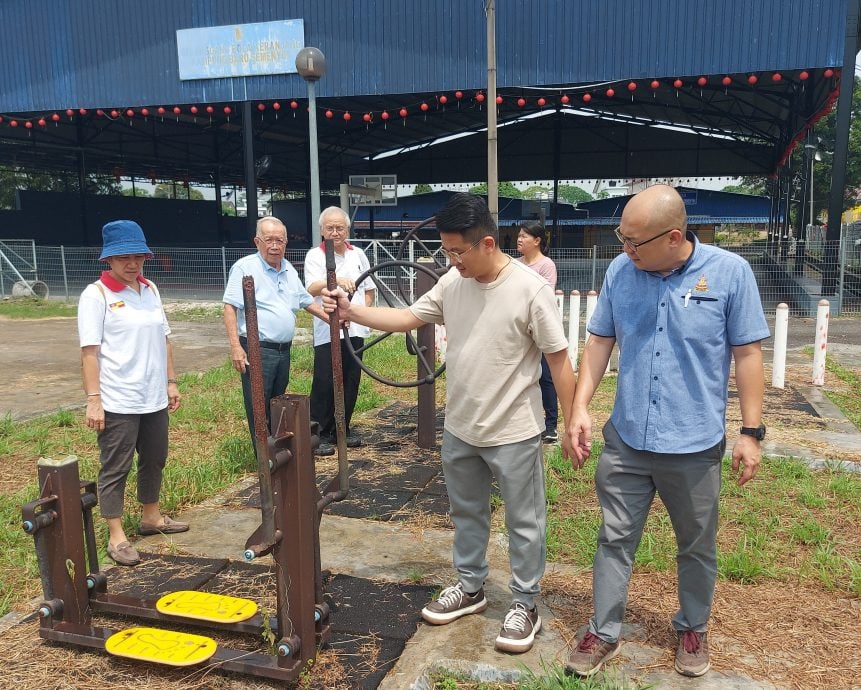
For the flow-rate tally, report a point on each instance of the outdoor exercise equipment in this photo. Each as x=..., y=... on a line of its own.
x=61, y=523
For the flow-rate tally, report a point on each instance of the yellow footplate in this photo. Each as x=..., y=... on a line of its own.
x=161, y=646
x=204, y=606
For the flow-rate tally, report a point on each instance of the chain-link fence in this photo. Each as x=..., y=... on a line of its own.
x=784, y=272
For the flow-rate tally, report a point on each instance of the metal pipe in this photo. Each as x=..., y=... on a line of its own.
x=337, y=373
x=781, y=329
x=492, y=163
x=315, y=164
x=258, y=412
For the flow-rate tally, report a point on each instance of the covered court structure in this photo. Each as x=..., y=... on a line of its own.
x=599, y=89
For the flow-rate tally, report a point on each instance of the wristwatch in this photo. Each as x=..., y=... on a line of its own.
x=758, y=432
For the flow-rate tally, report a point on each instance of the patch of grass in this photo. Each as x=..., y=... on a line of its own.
x=35, y=308
x=200, y=313
x=808, y=532
x=849, y=400
x=550, y=676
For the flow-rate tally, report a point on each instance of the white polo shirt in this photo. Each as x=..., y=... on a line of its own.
x=131, y=330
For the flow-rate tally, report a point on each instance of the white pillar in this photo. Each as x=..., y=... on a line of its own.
x=781, y=329
x=821, y=343
x=574, y=328
x=591, y=303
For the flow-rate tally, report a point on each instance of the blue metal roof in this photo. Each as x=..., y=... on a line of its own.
x=102, y=53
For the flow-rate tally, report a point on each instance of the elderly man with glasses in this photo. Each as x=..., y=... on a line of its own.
x=350, y=263
x=680, y=310
x=279, y=294
x=500, y=316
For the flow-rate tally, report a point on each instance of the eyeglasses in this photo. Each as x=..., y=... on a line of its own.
x=630, y=244
x=271, y=241
x=457, y=257
x=335, y=229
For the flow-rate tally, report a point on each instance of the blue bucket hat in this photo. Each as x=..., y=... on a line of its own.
x=121, y=237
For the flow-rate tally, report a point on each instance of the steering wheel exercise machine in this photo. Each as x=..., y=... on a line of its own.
x=62, y=525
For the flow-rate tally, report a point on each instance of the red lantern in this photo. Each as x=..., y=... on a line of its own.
x=443, y=99
x=499, y=100
x=28, y=124
x=424, y=107
x=329, y=114
x=542, y=102
x=261, y=107
x=13, y=123
x=655, y=84
x=276, y=106
x=100, y=112
x=632, y=86
x=828, y=73
x=294, y=105
x=611, y=93
x=210, y=109
x=702, y=81
x=587, y=97
x=752, y=79
x=384, y=115
x=55, y=117
x=130, y=113
x=565, y=100
x=42, y=122
x=403, y=112
x=479, y=97
x=678, y=83
x=177, y=110
x=69, y=112
x=726, y=81
x=521, y=102
x=1, y=118
x=804, y=75
x=160, y=110
x=458, y=95
x=776, y=77
x=227, y=110
x=193, y=110
x=145, y=112
x=115, y=113
x=82, y=111
x=347, y=117
x=366, y=117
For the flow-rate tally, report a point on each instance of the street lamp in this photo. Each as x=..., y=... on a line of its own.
x=311, y=65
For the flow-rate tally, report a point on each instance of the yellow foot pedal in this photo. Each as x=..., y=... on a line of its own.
x=204, y=606
x=161, y=646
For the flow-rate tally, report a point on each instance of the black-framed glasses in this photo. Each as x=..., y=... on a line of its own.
x=633, y=246
x=457, y=257
x=272, y=241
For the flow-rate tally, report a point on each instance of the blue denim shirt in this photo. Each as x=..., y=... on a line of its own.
x=675, y=335
x=279, y=295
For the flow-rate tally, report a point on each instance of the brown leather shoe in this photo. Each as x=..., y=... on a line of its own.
x=124, y=554
x=168, y=526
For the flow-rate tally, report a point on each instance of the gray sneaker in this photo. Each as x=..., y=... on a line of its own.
x=518, y=629
x=452, y=604
x=692, y=655
x=590, y=654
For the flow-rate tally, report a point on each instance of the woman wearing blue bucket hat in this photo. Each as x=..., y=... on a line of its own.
x=130, y=383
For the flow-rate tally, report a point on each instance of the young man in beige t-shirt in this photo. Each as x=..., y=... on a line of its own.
x=500, y=317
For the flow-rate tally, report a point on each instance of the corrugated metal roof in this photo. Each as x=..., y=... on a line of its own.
x=102, y=53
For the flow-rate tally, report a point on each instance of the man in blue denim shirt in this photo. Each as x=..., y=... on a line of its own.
x=679, y=310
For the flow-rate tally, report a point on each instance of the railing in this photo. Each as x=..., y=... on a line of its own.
x=201, y=273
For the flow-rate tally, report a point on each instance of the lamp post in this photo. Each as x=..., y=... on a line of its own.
x=311, y=65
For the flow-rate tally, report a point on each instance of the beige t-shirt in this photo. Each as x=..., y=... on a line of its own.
x=496, y=334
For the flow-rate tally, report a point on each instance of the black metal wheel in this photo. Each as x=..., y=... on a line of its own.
x=395, y=299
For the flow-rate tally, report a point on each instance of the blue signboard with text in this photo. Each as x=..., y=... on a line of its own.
x=240, y=50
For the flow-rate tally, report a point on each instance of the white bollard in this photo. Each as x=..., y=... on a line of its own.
x=781, y=329
x=574, y=328
x=821, y=344
x=560, y=303
x=591, y=303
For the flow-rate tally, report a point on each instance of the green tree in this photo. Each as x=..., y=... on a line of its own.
x=422, y=188
x=166, y=191
x=573, y=194
x=13, y=177
x=138, y=192
x=505, y=189
x=755, y=186
x=537, y=191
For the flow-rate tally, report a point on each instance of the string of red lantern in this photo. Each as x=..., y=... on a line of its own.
x=586, y=92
